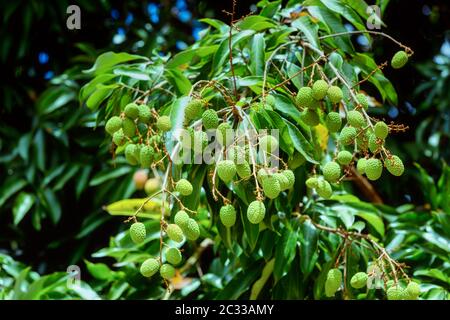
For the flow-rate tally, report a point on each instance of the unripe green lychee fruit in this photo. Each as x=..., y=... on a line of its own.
x=191, y=229
x=181, y=218
x=129, y=127
x=228, y=215
x=394, y=165
x=290, y=177
x=149, y=267
x=243, y=170
x=152, y=185
x=256, y=212
x=173, y=256
x=333, y=122
x=359, y=280
x=163, y=123
x=361, y=165
x=113, y=125
x=132, y=154
x=332, y=171
x=355, y=119
x=236, y=154
x=324, y=189
x=333, y=282
x=296, y=161
x=132, y=111
x=344, y=157
x=119, y=138
x=335, y=94
x=184, y=187
x=271, y=187
x=268, y=144
x=200, y=141
x=146, y=156
x=167, y=271
x=226, y=170
x=362, y=99
x=262, y=174
x=282, y=180
x=194, y=109
x=374, y=168
x=310, y=117
x=137, y=232
x=412, y=291
x=399, y=59
x=373, y=143
x=347, y=136
x=174, y=232
x=210, y=119
x=144, y=113
x=304, y=97
x=224, y=134
x=381, y=130
x=312, y=182
x=319, y=89
x=394, y=293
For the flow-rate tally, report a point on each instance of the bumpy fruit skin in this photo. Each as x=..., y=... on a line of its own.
x=362, y=99
x=256, y=211
x=228, y=215
x=224, y=134
x=181, y=218
x=163, y=123
x=144, y=113
x=394, y=165
x=335, y=94
x=167, y=271
x=290, y=177
x=243, y=170
x=395, y=293
x=173, y=256
x=262, y=175
x=412, y=291
x=359, y=280
x=200, y=141
x=333, y=122
x=399, y=59
x=210, y=119
x=226, y=170
x=312, y=182
x=324, y=189
x=373, y=143
x=268, y=143
x=296, y=161
x=174, y=232
x=381, y=130
x=132, y=111
x=137, y=232
x=333, y=282
x=131, y=154
x=355, y=119
x=236, y=154
x=304, y=97
x=374, y=168
x=271, y=187
x=194, y=109
x=119, y=138
x=319, y=89
x=129, y=127
x=361, y=165
x=191, y=229
x=152, y=185
x=146, y=156
x=310, y=117
x=113, y=125
x=347, y=136
x=184, y=187
x=332, y=171
x=282, y=180
x=344, y=157
x=149, y=267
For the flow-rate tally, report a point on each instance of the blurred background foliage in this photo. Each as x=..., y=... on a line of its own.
x=55, y=178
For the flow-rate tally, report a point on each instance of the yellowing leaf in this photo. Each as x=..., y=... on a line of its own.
x=128, y=207
x=322, y=135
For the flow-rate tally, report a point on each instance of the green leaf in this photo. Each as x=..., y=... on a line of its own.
x=53, y=205
x=256, y=23
x=101, y=93
x=107, y=175
x=257, y=55
x=308, y=247
x=110, y=59
x=10, y=188
x=54, y=98
x=100, y=271
x=186, y=56
x=345, y=11
x=176, y=78
x=265, y=275
x=375, y=221
x=130, y=72
x=285, y=252
x=22, y=205
x=308, y=28
x=300, y=143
